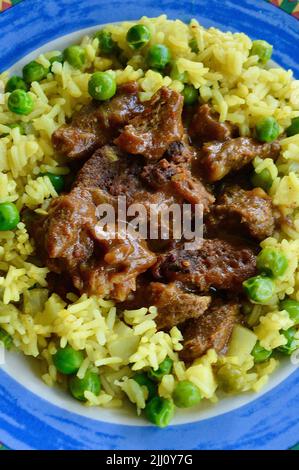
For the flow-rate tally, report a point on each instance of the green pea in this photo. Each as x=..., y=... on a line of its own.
x=272, y=262
x=194, y=46
x=262, y=180
x=67, y=360
x=34, y=72
x=20, y=102
x=90, y=383
x=138, y=36
x=267, y=129
x=293, y=129
x=142, y=379
x=101, y=86
x=164, y=369
x=292, y=342
x=56, y=180
x=190, y=94
x=106, y=44
x=176, y=75
x=186, y=394
x=292, y=307
x=9, y=216
x=262, y=49
x=260, y=354
x=15, y=83
x=158, y=56
x=159, y=411
x=75, y=56
x=259, y=289
x=6, y=339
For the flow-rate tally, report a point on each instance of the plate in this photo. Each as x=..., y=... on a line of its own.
x=35, y=417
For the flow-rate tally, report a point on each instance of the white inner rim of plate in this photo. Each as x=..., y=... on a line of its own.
x=23, y=370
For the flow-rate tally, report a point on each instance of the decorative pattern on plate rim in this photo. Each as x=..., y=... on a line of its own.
x=5, y=4
x=289, y=6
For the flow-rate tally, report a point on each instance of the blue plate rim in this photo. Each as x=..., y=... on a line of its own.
x=28, y=421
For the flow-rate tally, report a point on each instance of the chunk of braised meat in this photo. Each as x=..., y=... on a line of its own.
x=118, y=174
x=205, y=126
x=238, y=210
x=213, y=329
x=177, y=179
x=179, y=155
x=112, y=172
x=97, y=124
x=151, y=133
x=114, y=274
x=192, y=190
x=99, y=170
x=180, y=152
x=82, y=137
x=174, y=305
x=158, y=175
x=217, y=263
x=68, y=230
x=217, y=159
x=98, y=263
